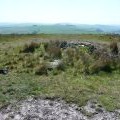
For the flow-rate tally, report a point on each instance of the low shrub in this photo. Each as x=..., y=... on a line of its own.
x=102, y=64
x=41, y=69
x=69, y=56
x=53, y=50
x=30, y=47
x=46, y=44
x=78, y=67
x=114, y=48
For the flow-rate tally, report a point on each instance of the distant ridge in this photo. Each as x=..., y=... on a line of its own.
x=59, y=28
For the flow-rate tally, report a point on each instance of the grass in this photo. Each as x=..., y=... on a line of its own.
x=92, y=37
x=71, y=84
x=77, y=89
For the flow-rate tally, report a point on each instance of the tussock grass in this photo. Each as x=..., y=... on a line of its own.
x=53, y=50
x=114, y=48
x=30, y=47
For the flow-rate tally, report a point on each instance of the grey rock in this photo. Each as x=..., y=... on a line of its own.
x=45, y=109
x=42, y=109
x=55, y=64
x=4, y=71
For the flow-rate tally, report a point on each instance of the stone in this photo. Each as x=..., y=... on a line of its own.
x=55, y=64
x=4, y=71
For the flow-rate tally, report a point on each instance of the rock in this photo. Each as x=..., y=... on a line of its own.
x=4, y=71
x=46, y=109
x=1, y=117
x=63, y=44
x=55, y=64
x=73, y=44
x=41, y=110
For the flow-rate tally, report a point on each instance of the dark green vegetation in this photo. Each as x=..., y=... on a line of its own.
x=81, y=75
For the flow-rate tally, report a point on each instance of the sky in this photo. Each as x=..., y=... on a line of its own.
x=60, y=11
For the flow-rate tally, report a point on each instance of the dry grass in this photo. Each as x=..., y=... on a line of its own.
x=53, y=50
x=114, y=48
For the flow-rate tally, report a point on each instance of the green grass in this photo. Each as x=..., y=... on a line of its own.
x=92, y=37
x=70, y=85
x=77, y=89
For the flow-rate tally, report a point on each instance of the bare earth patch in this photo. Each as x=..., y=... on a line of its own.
x=45, y=109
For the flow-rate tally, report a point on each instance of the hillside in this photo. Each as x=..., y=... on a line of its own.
x=57, y=29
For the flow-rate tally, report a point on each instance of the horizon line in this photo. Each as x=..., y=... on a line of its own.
x=62, y=23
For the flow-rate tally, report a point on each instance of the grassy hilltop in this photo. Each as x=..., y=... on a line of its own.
x=82, y=75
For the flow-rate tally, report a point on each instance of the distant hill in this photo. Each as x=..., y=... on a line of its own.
x=7, y=28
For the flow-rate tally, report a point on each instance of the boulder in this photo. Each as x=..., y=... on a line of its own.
x=55, y=64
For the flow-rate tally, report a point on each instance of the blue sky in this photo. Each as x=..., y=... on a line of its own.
x=60, y=11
